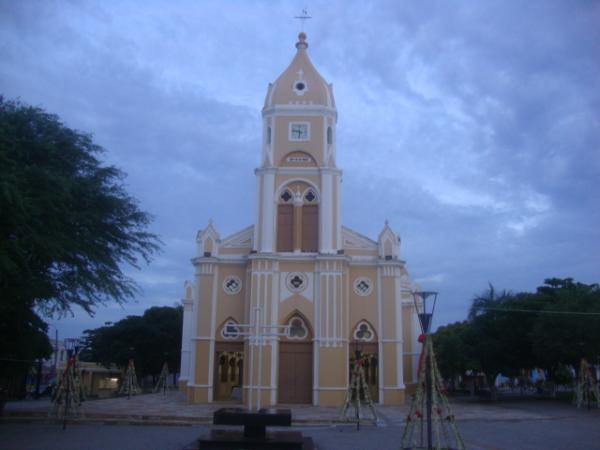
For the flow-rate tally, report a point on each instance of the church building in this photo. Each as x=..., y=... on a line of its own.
x=316, y=289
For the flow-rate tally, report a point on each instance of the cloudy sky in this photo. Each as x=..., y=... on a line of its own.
x=473, y=126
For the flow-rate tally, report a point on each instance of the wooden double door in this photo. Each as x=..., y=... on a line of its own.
x=295, y=372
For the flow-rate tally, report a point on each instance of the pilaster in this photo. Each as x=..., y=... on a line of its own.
x=331, y=332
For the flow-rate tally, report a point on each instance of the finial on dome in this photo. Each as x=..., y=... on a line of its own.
x=302, y=44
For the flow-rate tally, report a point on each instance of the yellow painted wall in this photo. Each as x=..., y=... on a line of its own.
x=202, y=355
x=389, y=372
x=205, y=304
x=299, y=303
x=394, y=397
x=363, y=308
x=283, y=145
x=333, y=365
x=230, y=305
x=331, y=398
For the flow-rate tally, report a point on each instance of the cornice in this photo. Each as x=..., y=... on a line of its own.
x=391, y=262
x=300, y=109
x=298, y=170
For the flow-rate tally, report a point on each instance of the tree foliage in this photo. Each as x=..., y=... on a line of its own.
x=565, y=338
x=67, y=223
x=23, y=339
x=151, y=339
x=450, y=349
x=67, y=226
x=552, y=328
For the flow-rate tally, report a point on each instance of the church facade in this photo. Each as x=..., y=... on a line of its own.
x=322, y=289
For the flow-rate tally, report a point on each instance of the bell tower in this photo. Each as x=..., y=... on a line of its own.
x=298, y=182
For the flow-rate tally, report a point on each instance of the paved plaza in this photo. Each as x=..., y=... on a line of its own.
x=169, y=423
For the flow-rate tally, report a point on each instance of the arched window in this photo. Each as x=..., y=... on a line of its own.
x=230, y=330
x=269, y=135
x=298, y=218
x=329, y=136
x=298, y=330
x=363, y=332
x=285, y=222
x=208, y=247
x=387, y=249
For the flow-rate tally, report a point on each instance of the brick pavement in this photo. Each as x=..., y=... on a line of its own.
x=172, y=408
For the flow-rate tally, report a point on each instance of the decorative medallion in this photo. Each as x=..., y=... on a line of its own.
x=296, y=281
x=232, y=285
x=363, y=286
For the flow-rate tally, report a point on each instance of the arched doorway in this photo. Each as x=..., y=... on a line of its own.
x=364, y=340
x=229, y=364
x=295, y=363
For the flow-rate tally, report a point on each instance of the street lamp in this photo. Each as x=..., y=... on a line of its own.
x=425, y=315
x=71, y=346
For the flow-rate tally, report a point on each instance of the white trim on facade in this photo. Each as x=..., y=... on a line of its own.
x=194, y=328
x=381, y=337
x=317, y=332
x=398, y=312
x=299, y=110
x=211, y=346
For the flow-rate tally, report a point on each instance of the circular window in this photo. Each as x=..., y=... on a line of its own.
x=296, y=282
x=300, y=87
x=232, y=285
x=363, y=286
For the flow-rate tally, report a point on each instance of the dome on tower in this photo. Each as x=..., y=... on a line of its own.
x=300, y=83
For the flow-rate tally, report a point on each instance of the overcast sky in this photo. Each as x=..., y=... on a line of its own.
x=473, y=126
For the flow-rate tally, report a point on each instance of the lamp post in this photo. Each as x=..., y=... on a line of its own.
x=425, y=313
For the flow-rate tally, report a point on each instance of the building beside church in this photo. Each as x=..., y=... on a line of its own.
x=299, y=266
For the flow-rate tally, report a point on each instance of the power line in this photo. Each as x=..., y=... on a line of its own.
x=542, y=311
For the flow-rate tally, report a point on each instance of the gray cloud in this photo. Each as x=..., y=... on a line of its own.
x=472, y=127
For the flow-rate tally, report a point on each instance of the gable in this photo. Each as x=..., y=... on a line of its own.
x=352, y=240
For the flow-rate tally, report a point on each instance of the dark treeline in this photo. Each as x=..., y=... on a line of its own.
x=552, y=329
x=151, y=339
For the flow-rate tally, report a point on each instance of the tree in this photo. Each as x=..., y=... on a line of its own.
x=67, y=227
x=497, y=338
x=552, y=328
x=450, y=349
x=152, y=339
x=568, y=326
x=67, y=223
x=23, y=340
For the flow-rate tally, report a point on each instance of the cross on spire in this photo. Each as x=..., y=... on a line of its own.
x=303, y=17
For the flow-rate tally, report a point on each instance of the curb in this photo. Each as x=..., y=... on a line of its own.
x=134, y=419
